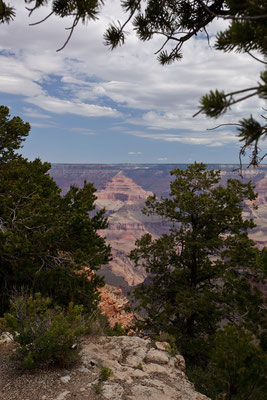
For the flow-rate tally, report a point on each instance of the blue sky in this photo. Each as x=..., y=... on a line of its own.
x=87, y=104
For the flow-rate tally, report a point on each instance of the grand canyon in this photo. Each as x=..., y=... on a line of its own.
x=122, y=190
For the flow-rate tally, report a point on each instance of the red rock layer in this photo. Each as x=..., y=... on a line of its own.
x=113, y=304
x=123, y=189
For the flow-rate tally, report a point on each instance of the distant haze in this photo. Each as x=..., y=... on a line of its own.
x=122, y=190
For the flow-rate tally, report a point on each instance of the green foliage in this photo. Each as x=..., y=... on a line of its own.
x=140, y=366
x=12, y=133
x=114, y=36
x=48, y=242
x=237, y=367
x=2, y=326
x=179, y=21
x=98, y=387
x=200, y=273
x=79, y=10
x=250, y=130
x=97, y=324
x=116, y=330
x=214, y=103
x=104, y=374
x=45, y=334
x=7, y=13
x=247, y=29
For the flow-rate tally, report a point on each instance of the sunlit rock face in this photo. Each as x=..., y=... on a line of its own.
x=141, y=370
x=123, y=200
x=121, y=189
x=114, y=305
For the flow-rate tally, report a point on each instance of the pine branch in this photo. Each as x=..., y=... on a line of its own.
x=71, y=32
x=42, y=20
x=225, y=14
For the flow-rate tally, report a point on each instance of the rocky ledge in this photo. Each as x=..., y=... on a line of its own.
x=136, y=368
x=139, y=370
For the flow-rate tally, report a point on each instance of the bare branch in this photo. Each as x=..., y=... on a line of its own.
x=208, y=36
x=256, y=58
x=242, y=98
x=218, y=126
x=42, y=20
x=159, y=50
x=70, y=34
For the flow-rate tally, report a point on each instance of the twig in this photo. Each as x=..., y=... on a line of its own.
x=256, y=58
x=42, y=20
x=70, y=34
x=218, y=126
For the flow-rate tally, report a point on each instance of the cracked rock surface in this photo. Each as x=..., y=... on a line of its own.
x=140, y=370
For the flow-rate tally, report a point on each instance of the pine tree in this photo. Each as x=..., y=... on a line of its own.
x=48, y=242
x=201, y=275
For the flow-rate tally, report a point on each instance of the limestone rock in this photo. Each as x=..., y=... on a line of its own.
x=157, y=356
x=6, y=337
x=63, y=395
x=112, y=391
x=139, y=371
x=65, y=379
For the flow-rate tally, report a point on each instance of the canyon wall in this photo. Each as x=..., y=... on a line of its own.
x=122, y=191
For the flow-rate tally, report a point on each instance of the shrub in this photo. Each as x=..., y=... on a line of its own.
x=98, y=387
x=116, y=330
x=2, y=326
x=104, y=374
x=45, y=334
x=237, y=367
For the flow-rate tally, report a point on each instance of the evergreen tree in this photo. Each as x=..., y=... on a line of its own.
x=12, y=132
x=48, y=242
x=236, y=369
x=202, y=274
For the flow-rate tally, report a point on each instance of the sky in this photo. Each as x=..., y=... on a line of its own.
x=88, y=104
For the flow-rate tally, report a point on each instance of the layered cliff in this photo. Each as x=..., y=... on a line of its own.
x=123, y=201
x=122, y=190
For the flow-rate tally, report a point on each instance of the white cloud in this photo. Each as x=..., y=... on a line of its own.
x=83, y=131
x=59, y=106
x=41, y=125
x=31, y=112
x=90, y=78
x=217, y=139
x=162, y=158
x=134, y=152
x=18, y=85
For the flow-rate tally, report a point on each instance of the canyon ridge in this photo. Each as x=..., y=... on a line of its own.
x=122, y=190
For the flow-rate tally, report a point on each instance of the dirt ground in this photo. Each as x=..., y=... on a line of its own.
x=44, y=384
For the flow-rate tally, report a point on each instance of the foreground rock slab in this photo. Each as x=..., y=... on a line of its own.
x=140, y=369
x=136, y=369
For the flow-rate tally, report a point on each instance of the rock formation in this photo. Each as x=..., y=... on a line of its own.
x=135, y=369
x=123, y=200
x=122, y=190
x=139, y=370
x=114, y=305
